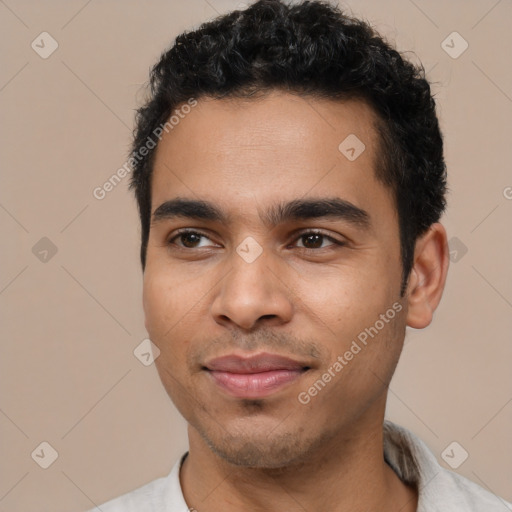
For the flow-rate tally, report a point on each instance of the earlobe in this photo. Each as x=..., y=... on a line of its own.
x=428, y=276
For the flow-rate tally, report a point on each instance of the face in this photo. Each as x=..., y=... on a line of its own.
x=272, y=281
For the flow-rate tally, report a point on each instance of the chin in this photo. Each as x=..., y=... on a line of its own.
x=263, y=448
x=260, y=454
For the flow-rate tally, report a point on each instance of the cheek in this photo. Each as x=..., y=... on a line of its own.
x=345, y=299
x=165, y=317
x=166, y=304
x=158, y=303
x=174, y=310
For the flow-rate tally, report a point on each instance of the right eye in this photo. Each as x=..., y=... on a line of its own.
x=189, y=239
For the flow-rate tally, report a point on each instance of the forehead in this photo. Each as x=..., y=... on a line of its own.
x=280, y=146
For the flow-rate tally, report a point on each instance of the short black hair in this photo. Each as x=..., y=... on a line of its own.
x=312, y=49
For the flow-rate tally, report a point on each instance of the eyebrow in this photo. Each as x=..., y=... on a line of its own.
x=298, y=209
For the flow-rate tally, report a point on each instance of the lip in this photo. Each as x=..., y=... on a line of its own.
x=255, y=376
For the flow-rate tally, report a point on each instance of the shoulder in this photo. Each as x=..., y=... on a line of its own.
x=439, y=489
x=453, y=492
x=141, y=499
x=160, y=495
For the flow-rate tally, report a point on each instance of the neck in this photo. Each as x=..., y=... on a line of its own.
x=347, y=473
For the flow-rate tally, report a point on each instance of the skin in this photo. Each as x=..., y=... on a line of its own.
x=307, y=300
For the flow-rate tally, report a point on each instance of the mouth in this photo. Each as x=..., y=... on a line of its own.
x=256, y=376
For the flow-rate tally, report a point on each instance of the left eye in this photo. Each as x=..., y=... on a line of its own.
x=313, y=240
x=190, y=240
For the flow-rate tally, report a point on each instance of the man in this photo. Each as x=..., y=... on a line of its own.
x=290, y=233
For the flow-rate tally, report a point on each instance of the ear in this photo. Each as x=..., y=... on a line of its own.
x=428, y=276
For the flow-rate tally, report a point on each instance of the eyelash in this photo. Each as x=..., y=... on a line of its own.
x=298, y=236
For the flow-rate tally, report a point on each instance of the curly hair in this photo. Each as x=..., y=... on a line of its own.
x=312, y=49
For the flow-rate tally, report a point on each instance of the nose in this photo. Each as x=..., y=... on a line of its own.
x=252, y=294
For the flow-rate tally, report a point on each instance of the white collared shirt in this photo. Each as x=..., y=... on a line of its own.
x=440, y=490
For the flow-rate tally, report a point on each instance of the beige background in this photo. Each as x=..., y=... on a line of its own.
x=68, y=373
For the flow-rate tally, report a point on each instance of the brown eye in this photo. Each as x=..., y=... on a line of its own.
x=190, y=240
x=312, y=241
